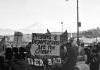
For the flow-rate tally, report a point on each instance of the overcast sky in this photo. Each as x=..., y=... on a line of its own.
x=18, y=14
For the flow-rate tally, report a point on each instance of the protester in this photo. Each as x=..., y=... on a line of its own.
x=75, y=47
x=81, y=64
x=95, y=58
x=8, y=54
x=81, y=49
x=20, y=64
x=2, y=65
x=45, y=62
x=86, y=54
x=57, y=66
x=71, y=57
x=23, y=52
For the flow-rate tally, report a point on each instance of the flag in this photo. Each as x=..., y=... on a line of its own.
x=2, y=46
x=64, y=37
x=48, y=32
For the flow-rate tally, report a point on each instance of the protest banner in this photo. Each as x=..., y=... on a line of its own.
x=45, y=44
x=17, y=39
x=39, y=62
x=89, y=40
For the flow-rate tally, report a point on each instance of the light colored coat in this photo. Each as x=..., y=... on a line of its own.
x=82, y=66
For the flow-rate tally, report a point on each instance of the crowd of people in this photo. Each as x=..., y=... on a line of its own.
x=73, y=58
x=14, y=59
x=81, y=57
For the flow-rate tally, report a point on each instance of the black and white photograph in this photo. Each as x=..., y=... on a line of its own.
x=49, y=34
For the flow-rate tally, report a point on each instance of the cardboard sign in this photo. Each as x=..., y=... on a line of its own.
x=45, y=44
x=17, y=39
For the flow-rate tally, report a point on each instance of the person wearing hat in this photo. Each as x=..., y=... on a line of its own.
x=81, y=64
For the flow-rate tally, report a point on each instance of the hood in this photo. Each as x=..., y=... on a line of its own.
x=20, y=63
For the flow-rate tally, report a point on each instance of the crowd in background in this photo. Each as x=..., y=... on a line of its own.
x=80, y=57
x=73, y=58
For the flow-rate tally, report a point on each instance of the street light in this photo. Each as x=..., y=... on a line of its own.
x=78, y=24
x=62, y=26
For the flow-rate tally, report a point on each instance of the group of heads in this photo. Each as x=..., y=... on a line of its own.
x=18, y=53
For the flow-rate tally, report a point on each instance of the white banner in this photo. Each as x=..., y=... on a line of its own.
x=45, y=44
x=88, y=40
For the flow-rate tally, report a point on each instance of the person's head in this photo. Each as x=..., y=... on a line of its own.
x=82, y=44
x=22, y=50
x=17, y=56
x=8, y=50
x=1, y=59
x=15, y=50
x=80, y=58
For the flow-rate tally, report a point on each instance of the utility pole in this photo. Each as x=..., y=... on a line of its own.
x=77, y=24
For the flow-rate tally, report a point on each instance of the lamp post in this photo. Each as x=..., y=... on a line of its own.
x=62, y=26
x=77, y=24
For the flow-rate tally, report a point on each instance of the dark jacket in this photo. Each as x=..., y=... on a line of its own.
x=71, y=61
x=4, y=67
x=21, y=65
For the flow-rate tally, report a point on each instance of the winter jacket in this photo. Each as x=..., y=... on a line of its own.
x=71, y=61
x=4, y=67
x=82, y=66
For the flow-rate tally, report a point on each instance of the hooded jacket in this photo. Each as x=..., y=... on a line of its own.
x=21, y=65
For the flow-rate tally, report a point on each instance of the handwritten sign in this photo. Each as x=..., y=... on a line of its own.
x=45, y=44
x=39, y=62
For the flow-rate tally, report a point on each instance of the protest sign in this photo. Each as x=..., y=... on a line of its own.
x=17, y=39
x=45, y=44
x=39, y=62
